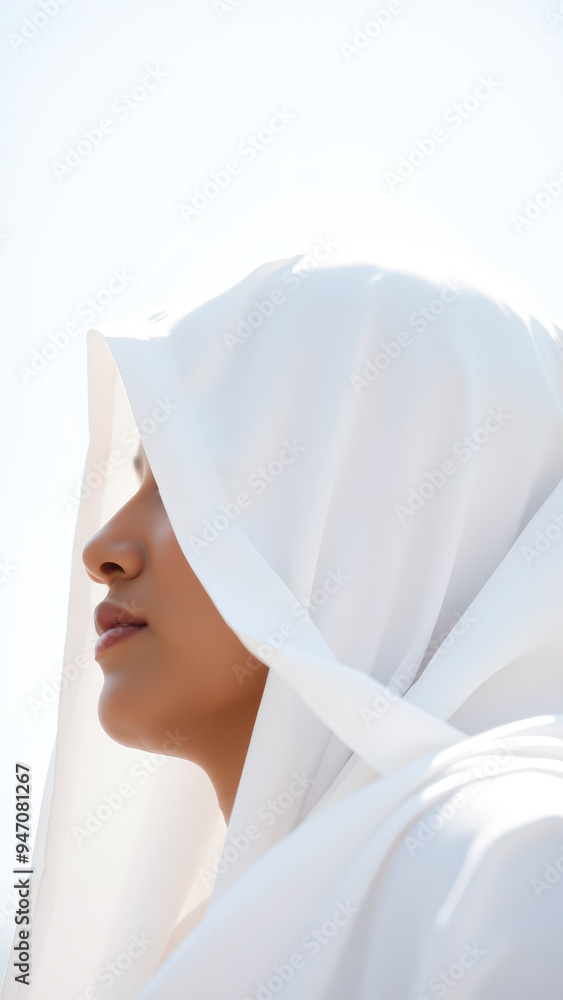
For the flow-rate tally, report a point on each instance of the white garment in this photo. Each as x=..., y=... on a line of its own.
x=405, y=858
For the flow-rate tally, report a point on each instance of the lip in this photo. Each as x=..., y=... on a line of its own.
x=108, y=614
x=114, y=623
x=113, y=635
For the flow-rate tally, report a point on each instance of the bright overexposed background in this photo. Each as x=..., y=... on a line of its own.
x=220, y=71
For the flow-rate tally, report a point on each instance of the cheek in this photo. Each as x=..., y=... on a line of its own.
x=201, y=656
x=180, y=599
x=192, y=676
x=187, y=668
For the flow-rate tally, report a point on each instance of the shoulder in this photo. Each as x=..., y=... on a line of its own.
x=482, y=870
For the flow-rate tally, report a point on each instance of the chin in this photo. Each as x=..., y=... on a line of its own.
x=118, y=718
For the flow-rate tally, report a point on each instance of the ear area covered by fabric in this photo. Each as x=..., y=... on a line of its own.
x=363, y=469
x=207, y=479
x=207, y=476
x=247, y=590
x=513, y=635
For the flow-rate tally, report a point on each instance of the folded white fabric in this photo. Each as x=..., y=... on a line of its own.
x=364, y=469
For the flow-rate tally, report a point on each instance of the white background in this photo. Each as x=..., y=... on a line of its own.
x=224, y=73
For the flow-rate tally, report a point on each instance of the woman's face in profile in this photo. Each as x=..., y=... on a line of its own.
x=177, y=673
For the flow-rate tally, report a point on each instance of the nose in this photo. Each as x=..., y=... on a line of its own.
x=113, y=553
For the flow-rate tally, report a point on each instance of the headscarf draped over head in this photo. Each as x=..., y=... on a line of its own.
x=362, y=466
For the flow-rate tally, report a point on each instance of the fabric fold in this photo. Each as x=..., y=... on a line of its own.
x=363, y=467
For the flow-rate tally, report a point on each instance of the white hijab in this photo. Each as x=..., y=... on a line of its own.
x=400, y=441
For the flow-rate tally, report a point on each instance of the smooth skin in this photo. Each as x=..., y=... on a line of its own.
x=178, y=673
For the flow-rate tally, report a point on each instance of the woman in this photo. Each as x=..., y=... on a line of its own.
x=329, y=751
x=150, y=582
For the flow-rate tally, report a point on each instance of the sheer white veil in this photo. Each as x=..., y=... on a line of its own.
x=394, y=418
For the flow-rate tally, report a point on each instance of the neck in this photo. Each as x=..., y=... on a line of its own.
x=219, y=745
